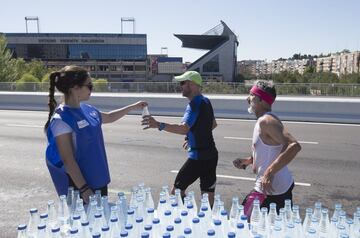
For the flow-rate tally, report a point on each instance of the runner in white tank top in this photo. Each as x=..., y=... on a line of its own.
x=263, y=156
x=273, y=148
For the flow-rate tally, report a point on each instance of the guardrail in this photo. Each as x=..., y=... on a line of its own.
x=318, y=89
x=319, y=109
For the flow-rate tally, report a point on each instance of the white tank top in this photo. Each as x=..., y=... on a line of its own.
x=264, y=155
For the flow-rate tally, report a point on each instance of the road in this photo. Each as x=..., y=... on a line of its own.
x=326, y=170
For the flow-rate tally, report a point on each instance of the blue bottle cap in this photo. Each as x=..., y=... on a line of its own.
x=195, y=220
x=148, y=227
x=211, y=232
x=166, y=235
x=187, y=231
x=184, y=213
x=43, y=215
x=231, y=235
x=139, y=220
x=201, y=214
x=217, y=222
x=73, y=230
x=33, y=210
x=204, y=209
x=177, y=220
x=41, y=227
x=243, y=217
x=96, y=235
x=156, y=221
x=240, y=226
x=223, y=212
x=114, y=219
x=169, y=228
x=190, y=206
x=130, y=212
x=55, y=229
x=124, y=234
x=128, y=226
x=150, y=210
x=86, y=223
x=145, y=235
x=105, y=228
x=21, y=227
x=167, y=213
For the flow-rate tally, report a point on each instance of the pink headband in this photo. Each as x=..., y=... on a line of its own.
x=262, y=94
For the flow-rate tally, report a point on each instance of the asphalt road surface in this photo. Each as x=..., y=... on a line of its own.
x=326, y=170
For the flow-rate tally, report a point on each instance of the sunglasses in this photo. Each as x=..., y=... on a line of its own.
x=183, y=83
x=90, y=86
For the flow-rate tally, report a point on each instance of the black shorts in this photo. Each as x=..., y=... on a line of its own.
x=194, y=169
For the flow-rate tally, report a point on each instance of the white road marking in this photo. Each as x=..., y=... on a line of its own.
x=244, y=178
x=249, y=139
x=24, y=125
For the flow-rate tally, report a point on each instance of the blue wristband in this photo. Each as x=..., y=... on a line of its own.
x=161, y=126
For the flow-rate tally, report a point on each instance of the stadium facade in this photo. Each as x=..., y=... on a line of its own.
x=220, y=62
x=116, y=57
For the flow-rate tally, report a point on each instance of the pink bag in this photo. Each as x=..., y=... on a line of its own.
x=250, y=200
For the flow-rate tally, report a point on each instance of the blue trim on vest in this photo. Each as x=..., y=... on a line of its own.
x=90, y=150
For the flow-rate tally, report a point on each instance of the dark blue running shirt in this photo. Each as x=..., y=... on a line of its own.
x=199, y=116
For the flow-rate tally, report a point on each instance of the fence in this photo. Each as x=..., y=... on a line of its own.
x=347, y=90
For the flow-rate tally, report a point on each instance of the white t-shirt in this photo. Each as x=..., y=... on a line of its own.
x=59, y=127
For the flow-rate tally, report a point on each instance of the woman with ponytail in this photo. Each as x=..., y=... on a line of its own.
x=75, y=154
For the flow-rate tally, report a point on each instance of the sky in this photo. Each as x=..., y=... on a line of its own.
x=266, y=29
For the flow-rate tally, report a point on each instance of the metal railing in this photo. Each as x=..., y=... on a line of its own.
x=343, y=90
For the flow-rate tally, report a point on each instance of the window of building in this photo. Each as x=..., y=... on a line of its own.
x=212, y=65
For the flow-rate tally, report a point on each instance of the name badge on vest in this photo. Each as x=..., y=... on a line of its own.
x=83, y=123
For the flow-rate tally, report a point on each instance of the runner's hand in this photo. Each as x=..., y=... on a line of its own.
x=149, y=122
x=266, y=183
x=185, y=145
x=241, y=163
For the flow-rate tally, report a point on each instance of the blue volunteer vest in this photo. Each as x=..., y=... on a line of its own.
x=90, y=150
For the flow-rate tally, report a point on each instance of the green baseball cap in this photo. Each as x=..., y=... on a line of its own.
x=191, y=76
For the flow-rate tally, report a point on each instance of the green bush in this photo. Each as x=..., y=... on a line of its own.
x=27, y=82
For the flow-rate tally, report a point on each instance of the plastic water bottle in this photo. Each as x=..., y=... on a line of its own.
x=144, y=235
x=91, y=213
x=324, y=226
x=70, y=197
x=156, y=228
x=263, y=223
x=85, y=229
x=124, y=206
x=224, y=221
x=317, y=211
x=52, y=214
x=124, y=234
x=185, y=219
x=295, y=213
x=105, y=232
x=22, y=233
x=166, y=235
x=33, y=223
x=337, y=209
x=234, y=213
x=148, y=229
x=149, y=202
x=191, y=194
x=178, y=227
x=311, y=233
x=149, y=216
x=74, y=233
x=218, y=229
x=240, y=230
x=179, y=199
x=105, y=205
x=255, y=215
x=276, y=232
x=207, y=215
x=272, y=215
x=191, y=210
x=288, y=211
x=145, y=111
x=55, y=232
x=76, y=222
x=196, y=227
x=188, y=233
x=130, y=218
x=96, y=227
x=205, y=198
x=307, y=219
x=41, y=232
x=170, y=230
x=114, y=228
x=129, y=229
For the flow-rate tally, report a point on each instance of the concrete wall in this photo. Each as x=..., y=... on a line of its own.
x=318, y=109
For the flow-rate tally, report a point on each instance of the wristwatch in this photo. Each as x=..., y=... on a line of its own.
x=161, y=126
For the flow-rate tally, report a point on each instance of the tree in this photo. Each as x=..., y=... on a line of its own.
x=7, y=69
x=28, y=82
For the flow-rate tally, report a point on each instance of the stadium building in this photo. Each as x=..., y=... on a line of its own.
x=220, y=62
x=116, y=57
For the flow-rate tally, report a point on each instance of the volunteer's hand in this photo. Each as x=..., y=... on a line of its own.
x=149, y=122
x=139, y=105
x=86, y=194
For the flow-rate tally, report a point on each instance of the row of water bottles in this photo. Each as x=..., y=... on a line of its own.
x=177, y=217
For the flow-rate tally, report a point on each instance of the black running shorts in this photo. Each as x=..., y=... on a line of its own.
x=194, y=169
